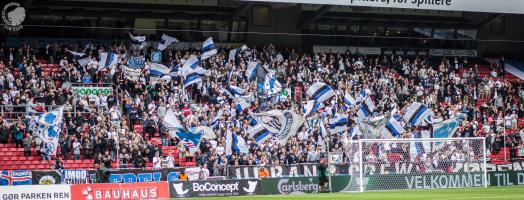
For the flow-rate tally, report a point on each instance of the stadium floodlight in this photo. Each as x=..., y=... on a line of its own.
x=399, y=164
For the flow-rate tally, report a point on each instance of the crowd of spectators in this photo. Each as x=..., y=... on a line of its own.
x=102, y=127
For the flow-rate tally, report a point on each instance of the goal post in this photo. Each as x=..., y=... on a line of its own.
x=399, y=164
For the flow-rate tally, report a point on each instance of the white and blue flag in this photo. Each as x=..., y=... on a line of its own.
x=241, y=105
x=139, y=40
x=259, y=133
x=366, y=110
x=419, y=147
x=416, y=113
x=191, y=79
x=349, y=101
x=190, y=137
x=234, y=91
x=320, y=92
x=338, y=124
x=251, y=71
x=171, y=122
x=47, y=127
x=107, y=60
x=312, y=106
x=445, y=129
x=393, y=129
x=234, y=52
x=354, y=131
x=272, y=86
x=235, y=144
x=82, y=58
x=192, y=65
x=208, y=49
x=158, y=70
x=165, y=41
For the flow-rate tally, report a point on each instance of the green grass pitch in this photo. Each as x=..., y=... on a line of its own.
x=493, y=193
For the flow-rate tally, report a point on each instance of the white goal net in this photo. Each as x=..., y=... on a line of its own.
x=397, y=164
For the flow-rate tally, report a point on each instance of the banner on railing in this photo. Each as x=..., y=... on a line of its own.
x=247, y=172
x=47, y=177
x=141, y=175
x=82, y=91
x=15, y=177
x=507, y=178
x=212, y=188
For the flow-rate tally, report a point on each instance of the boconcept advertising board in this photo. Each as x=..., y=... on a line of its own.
x=210, y=188
x=493, y=6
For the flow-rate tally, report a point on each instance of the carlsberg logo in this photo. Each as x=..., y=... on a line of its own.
x=207, y=187
x=287, y=187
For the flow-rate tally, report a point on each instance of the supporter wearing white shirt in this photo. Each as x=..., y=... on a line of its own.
x=170, y=161
x=157, y=162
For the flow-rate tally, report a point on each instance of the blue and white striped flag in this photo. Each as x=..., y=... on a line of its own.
x=320, y=92
x=208, y=49
x=392, y=129
x=366, y=110
x=416, y=113
x=259, y=133
x=107, y=59
x=165, y=41
x=192, y=79
x=251, y=71
x=354, y=131
x=338, y=124
x=158, y=70
x=445, y=129
x=235, y=144
x=349, y=101
x=419, y=147
x=217, y=117
x=234, y=91
x=171, y=121
x=192, y=65
x=82, y=58
x=312, y=106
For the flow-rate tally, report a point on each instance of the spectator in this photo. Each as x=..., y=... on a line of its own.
x=76, y=149
x=59, y=164
x=28, y=141
x=183, y=176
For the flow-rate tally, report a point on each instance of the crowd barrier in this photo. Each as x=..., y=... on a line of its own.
x=164, y=183
x=210, y=188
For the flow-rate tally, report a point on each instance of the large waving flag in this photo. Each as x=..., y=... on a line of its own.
x=235, y=144
x=208, y=49
x=107, y=59
x=165, y=41
x=366, y=109
x=416, y=113
x=445, y=129
x=312, y=106
x=419, y=148
x=48, y=126
x=354, y=131
x=373, y=128
x=338, y=124
x=320, y=92
x=392, y=129
x=283, y=124
x=190, y=137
